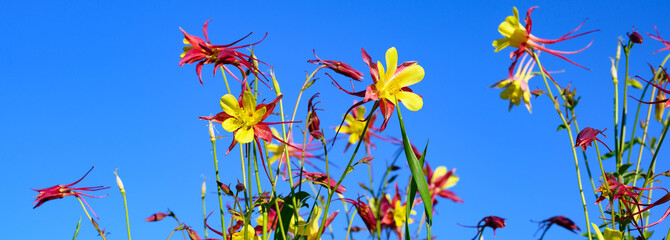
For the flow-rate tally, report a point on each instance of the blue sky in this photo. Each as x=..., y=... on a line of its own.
x=98, y=83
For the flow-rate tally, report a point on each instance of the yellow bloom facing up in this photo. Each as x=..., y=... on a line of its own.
x=243, y=118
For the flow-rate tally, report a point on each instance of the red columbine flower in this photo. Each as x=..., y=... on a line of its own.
x=365, y=212
x=560, y=221
x=204, y=52
x=339, y=67
x=390, y=85
x=438, y=182
x=61, y=191
x=354, y=124
x=323, y=180
x=587, y=136
x=658, y=38
x=313, y=122
x=518, y=36
x=159, y=216
x=493, y=222
x=635, y=37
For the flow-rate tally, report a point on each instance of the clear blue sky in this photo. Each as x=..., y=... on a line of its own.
x=98, y=83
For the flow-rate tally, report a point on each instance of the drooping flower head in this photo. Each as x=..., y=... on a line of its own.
x=635, y=37
x=61, y=191
x=323, y=180
x=313, y=122
x=519, y=36
x=204, y=52
x=516, y=88
x=158, y=216
x=365, y=212
x=493, y=222
x=560, y=221
x=390, y=85
x=587, y=136
x=338, y=67
x=439, y=181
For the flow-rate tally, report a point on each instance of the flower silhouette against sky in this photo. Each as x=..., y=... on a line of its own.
x=61, y=191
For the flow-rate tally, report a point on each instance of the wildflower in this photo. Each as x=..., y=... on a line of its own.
x=158, y=216
x=244, y=118
x=310, y=229
x=662, y=101
x=658, y=38
x=313, y=122
x=246, y=233
x=323, y=180
x=493, y=222
x=390, y=85
x=635, y=37
x=339, y=67
x=61, y=191
x=520, y=37
x=365, y=212
x=225, y=188
x=516, y=88
x=354, y=124
x=395, y=213
x=438, y=182
x=630, y=196
x=204, y=52
x=560, y=221
x=587, y=136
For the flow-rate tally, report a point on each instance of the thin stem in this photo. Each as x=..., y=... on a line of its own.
x=588, y=168
x=624, y=114
x=574, y=152
x=350, y=223
x=125, y=205
x=223, y=72
x=604, y=174
x=353, y=156
x=218, y=188
x=102, y=234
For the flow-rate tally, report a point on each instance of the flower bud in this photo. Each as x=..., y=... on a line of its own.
x=618, y=51
x=212, y=136
x=119, y=183
x=156, y=217
x=240, y=187
x=635, y=37
x=613, y=69
x=203, y=189
x=225, y=188
x=313, y=122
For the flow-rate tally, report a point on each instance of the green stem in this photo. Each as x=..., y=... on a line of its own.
x=125, y=205
x=218, y=188
x=588, y=168
x=604, y=174
x=346, y=169
x=102, y=234
x=574, y=152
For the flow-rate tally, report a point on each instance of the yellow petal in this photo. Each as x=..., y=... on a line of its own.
x=258, y=114
x=229, y=105
x=353, y=138
x=245, y=135
x=248, y=101
x=391, y=62
x=360, y=112
x=231, y=124
x=344, y=129
x=453, y=179
x=382, y=77
x=186, y=41
x=412, y=101
x=410, y=76
x=438, y=173
x=500, y=44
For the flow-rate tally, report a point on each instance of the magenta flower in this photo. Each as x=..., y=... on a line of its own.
x=658, y=38
x=204, y=52
x=158, y=216
x=61, y=191
x=323, y=180
x=493, y=222
x=338, y=67
x=560, y=221
x=587, y=136
x=365, y=212
x=313, y=122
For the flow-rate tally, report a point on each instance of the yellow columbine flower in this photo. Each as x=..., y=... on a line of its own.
x=246, y=233
x=513, y=32
x=516, y=88
x=390, y=85
x=310, y=229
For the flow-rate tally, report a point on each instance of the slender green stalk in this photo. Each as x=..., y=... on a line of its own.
x=350, y=223
x=212, y=138
x=203, y=190
x=574, y=152
x=637, y=115
x=588, y=168
x=624, y=113
x=604, y=174
x=102, y=234
x=76, y=230
x=353, y=156
x=125, y=203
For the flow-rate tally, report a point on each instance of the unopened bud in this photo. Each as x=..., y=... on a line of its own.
x=613, y=70
x=225, y=188
x=275, y=83
x=119, y=183
x=203, y=189
x=240, y=187
x=618, y=51
x=635, y=37
x=212, y=136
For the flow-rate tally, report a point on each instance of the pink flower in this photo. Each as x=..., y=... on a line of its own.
x=313, y=122
x=61, y=191
x=493, y=222
x=339, y=67
x=323, y=180
x=658, y=38
x=560, y=221
x=158, y=216
x=365, y=212
x=204, y=52
x=587, y=136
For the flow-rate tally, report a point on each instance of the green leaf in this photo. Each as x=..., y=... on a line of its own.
x=560, y=127
x=411, y=193
x=417, y=172
x=76, y=230
x=288, y=211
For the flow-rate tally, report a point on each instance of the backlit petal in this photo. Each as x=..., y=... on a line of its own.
x=412, y=101
x=410, y=76
x=231, y=124
x=391, y=62
x=258, y=115
x=229, y=105
x=245, y=135
x=249, y=101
